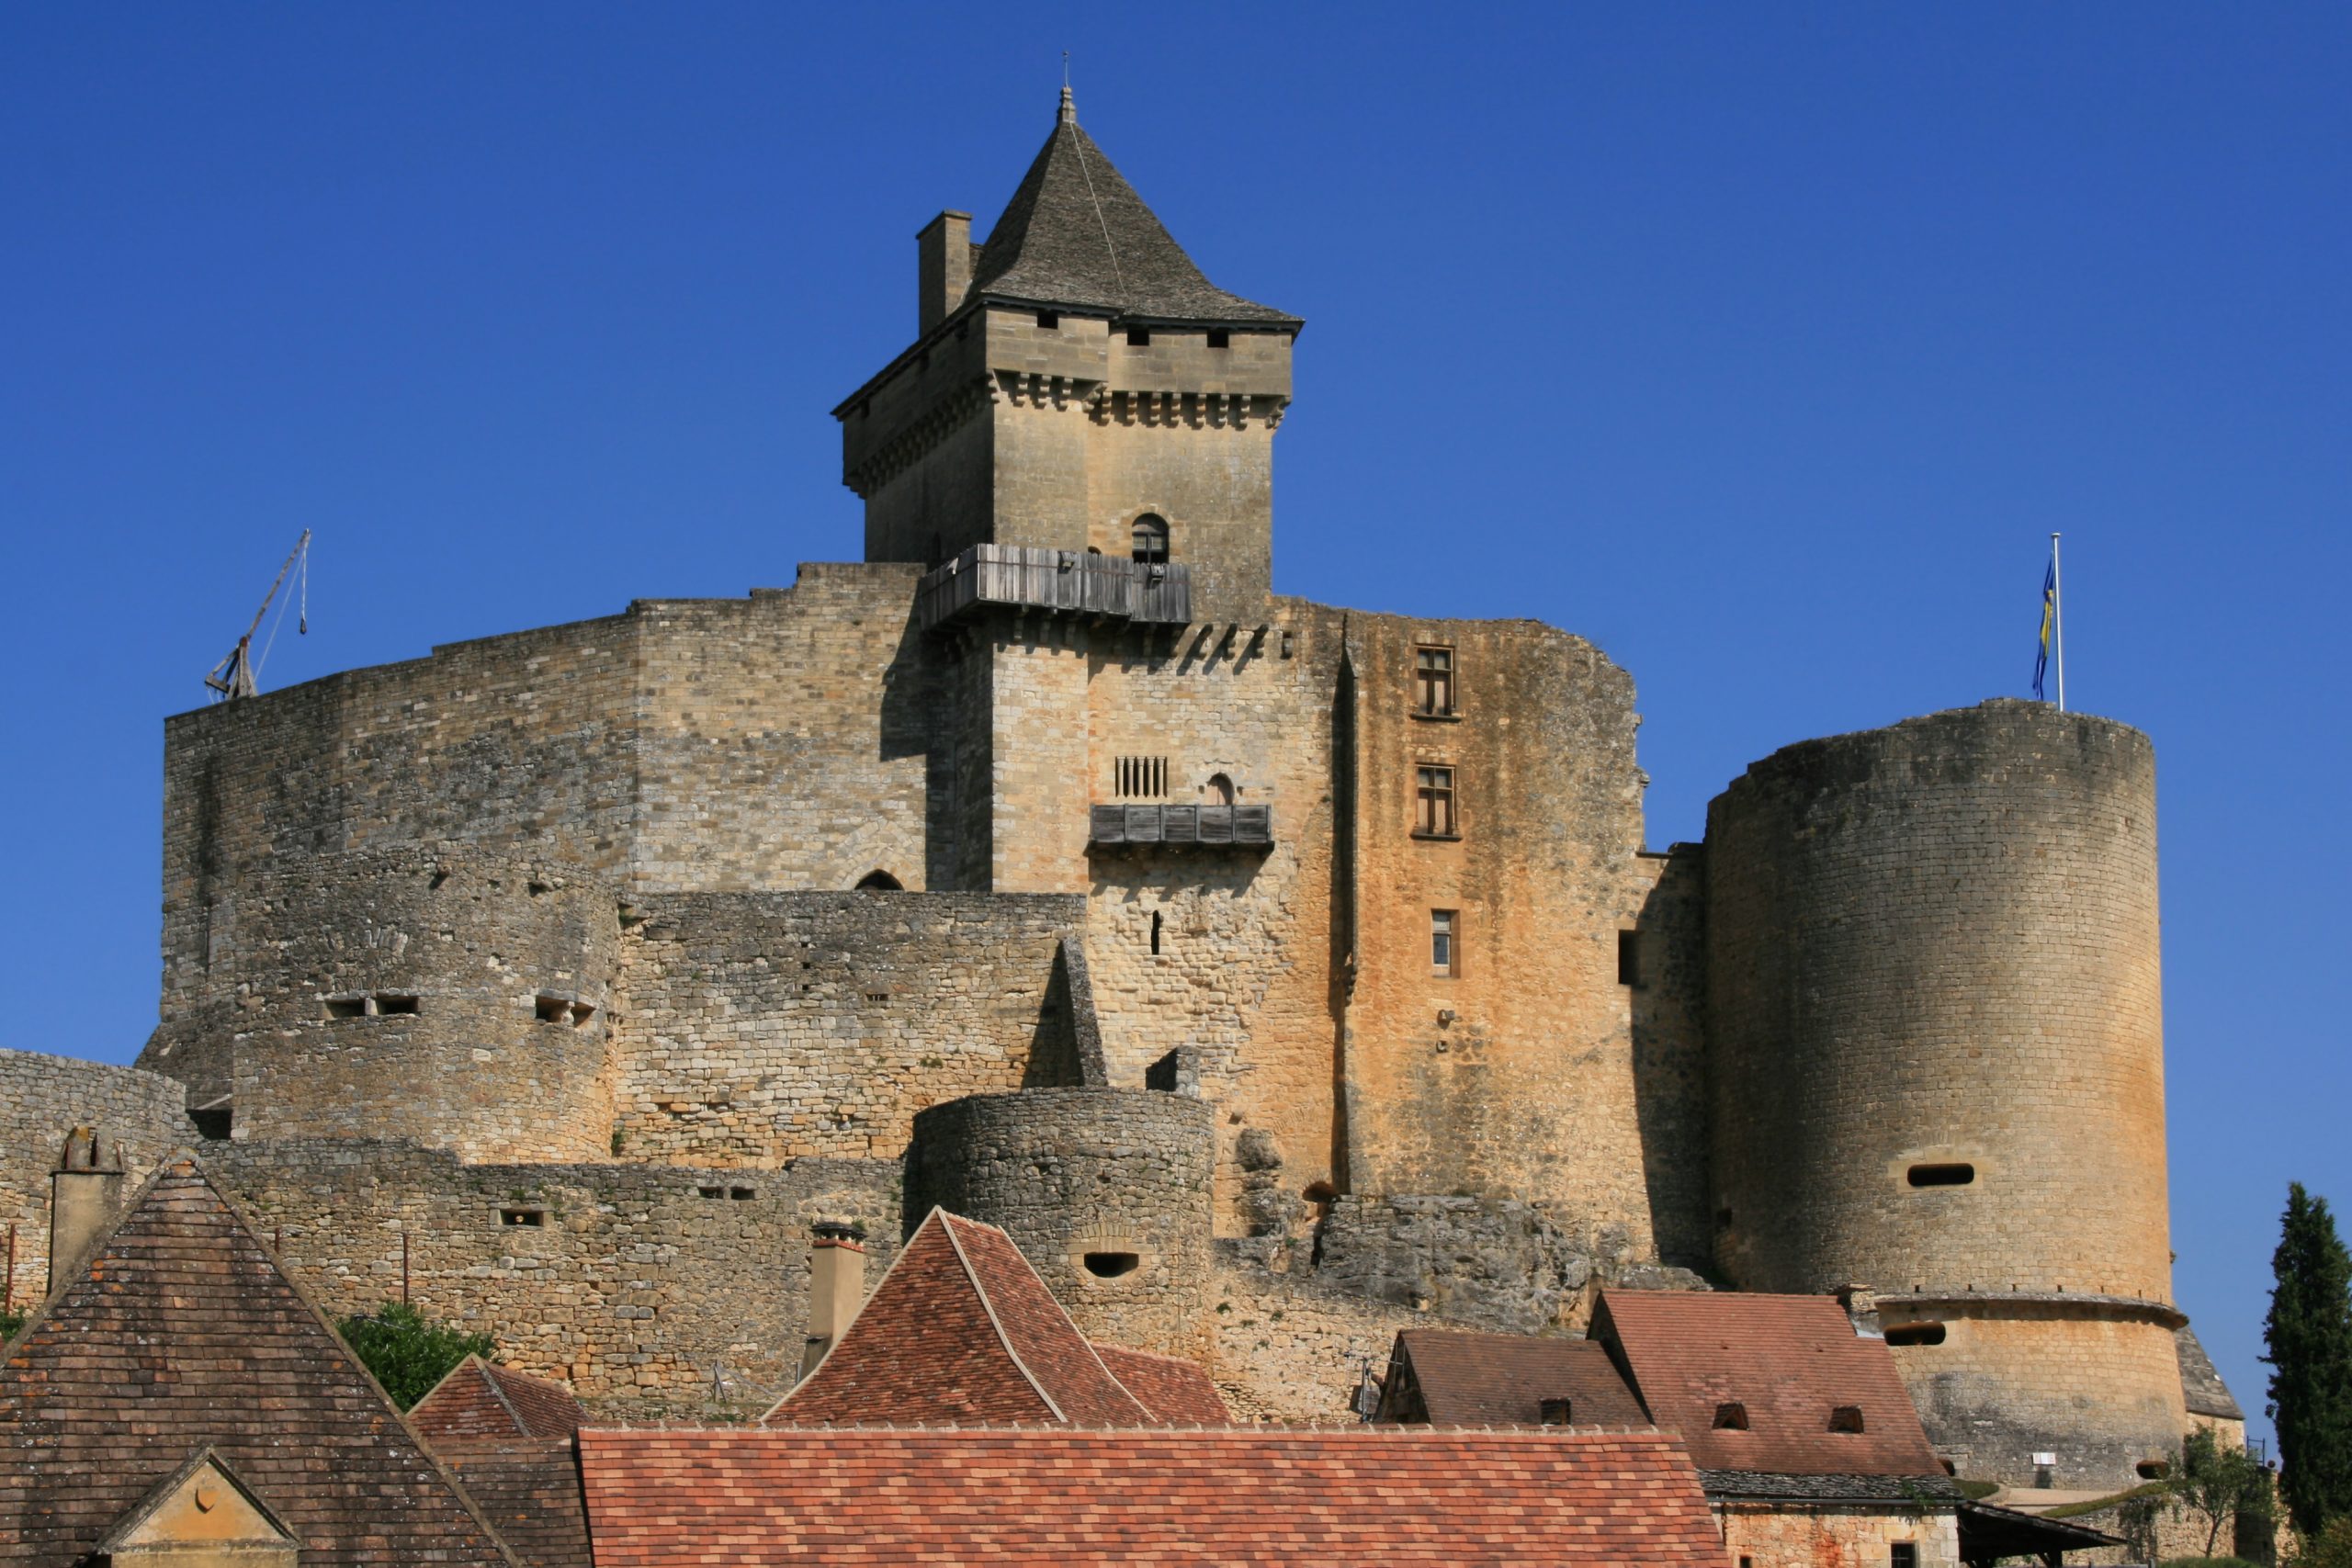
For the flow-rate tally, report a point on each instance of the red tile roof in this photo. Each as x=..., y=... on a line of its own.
x=479, y=1400
x=1175, y=1392
x=1787, y=1360
x=960, y=1332
x=179, y=1331
x=1057, y=1497
x=1501, y=1380
x=528, y=1488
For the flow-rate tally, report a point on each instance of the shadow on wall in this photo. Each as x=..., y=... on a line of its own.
x=1663, y=960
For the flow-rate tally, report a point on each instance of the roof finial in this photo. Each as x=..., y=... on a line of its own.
x=1070, y=108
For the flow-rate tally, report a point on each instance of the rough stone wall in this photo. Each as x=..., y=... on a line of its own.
x=42, y=1099
x=1073, y=1172
x=760, y=1029
x=1798, y=1536
x=778, y=741
x=1241, y=979
x=1514, y=1076
x=518, y=742
x=2098, y=1387
x=1508, y=1265
x=783, y=740
x=643, y=1286
x=1670, y=1050
x=1038, y=724
x=1937, y=943
x=1288, y=1348
x=404, y=993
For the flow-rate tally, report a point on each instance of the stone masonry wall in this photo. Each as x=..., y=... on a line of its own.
x=1106, y=1192
x=1670, y=1052
x=760, y=1029
x=42, y=1099
x=1512, y=1076
x=1800, y=1536
x=1241, y=977
x=2099, y=1388
x=456, y=997
x=646, y=1287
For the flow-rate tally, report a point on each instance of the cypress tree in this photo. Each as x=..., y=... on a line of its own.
x=2310, y=1339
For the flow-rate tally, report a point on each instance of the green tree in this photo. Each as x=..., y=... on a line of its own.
x=408, y=1352
x=2310, y=1339
x=2217, y=1483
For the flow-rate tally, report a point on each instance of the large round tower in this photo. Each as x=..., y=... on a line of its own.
x=1939, y=1071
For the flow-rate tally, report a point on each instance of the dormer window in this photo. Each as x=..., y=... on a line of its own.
x=1150, y=534
x=1846, y=1419
x=1731, y=1417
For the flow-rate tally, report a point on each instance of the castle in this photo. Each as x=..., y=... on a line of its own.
x=1277, y=974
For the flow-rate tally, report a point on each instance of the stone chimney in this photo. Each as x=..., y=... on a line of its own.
x=836, y=1287
x=944, y=270
x=84, y=1194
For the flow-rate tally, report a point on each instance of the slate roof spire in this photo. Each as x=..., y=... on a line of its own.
x=1076, y=235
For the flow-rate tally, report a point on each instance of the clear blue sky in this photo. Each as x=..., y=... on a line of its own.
x=1763, y=345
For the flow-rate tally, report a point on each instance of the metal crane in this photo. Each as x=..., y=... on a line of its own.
x=234, y=676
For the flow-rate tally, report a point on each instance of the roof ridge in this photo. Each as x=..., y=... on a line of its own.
x=947, y=1225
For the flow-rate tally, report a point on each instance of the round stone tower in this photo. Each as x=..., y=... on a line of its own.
x=1106, y=1192
x=1938, y=1075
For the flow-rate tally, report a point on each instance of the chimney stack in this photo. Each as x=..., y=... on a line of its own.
x=836, y=1287
x=944, y=270
x=84, y=1191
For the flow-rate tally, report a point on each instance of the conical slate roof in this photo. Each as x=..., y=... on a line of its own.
x=1076, y=234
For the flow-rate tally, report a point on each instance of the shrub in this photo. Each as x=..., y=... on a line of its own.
x=408, y=1352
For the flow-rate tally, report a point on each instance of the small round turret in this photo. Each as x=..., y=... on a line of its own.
x=1106, y=1192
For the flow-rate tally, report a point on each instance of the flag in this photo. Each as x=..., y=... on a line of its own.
x=2049, y=613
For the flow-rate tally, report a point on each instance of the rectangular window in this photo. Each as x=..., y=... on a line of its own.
x=1903, y=1554
x=1220, y=340
x=1445, y=948
x=1433, y=803
x=1433, y=681
x=1629, y=958
x=1139, y=337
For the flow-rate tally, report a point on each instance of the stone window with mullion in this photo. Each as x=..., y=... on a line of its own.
x=1433, y=802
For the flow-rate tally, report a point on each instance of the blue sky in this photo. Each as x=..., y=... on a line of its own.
x=1764, y=345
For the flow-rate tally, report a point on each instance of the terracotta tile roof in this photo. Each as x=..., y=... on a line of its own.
x=1057, y=1497
x=960, y=1332
x=1789, y=1361
x=479, y=1400
x=1175, y=1392
x=528, y=1488
x=178, y=1331
x=1501, y=1380
x=1076, y=233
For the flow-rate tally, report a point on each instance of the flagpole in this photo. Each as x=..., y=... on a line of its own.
x=2058, y=621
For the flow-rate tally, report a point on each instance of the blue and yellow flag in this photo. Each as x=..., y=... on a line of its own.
x=2049, y=613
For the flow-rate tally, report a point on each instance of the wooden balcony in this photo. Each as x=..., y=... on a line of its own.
x=1248, y=827
x=1070, y=583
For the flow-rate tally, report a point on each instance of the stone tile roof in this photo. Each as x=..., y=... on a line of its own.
x=1177, y=1393
x=479, y=1400
x=1365, y=1495
x=1787, y=1360
x=2201, y=1387
x=960, y=1332
x=1076, y=233
x=528, y=1488
x=1911, y=1489
x=178, y=1331
x=1501, y=1380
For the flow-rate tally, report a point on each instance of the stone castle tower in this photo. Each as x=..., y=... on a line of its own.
x=1277, y=974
